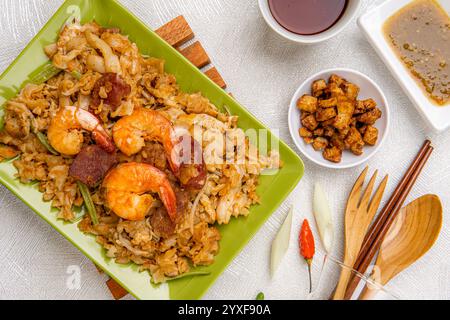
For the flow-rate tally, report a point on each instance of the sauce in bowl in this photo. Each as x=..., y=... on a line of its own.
x=307, y=17
x=420, y=36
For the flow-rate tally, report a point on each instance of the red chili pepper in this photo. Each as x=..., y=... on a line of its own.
x=307, y=247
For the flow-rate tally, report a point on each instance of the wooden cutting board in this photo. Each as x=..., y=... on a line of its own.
x=178, y=33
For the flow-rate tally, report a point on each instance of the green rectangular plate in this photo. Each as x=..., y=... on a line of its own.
x=273, y=189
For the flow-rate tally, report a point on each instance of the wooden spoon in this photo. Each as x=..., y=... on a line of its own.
x=411, y=235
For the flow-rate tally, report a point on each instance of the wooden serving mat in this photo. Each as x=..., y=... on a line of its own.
x=178, y=33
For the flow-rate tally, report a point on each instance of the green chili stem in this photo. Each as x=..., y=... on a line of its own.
x=88, y=201
x=260, y=296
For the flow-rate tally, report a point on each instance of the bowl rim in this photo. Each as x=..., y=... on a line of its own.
x=296, y=138
x=306, y=39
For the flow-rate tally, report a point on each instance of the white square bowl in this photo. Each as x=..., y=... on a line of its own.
x=371, y=23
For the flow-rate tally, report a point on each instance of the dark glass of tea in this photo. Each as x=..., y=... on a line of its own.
x=307, y=17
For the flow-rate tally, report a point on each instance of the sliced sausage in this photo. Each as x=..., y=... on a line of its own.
x=160, y=220
x=182, y=201
x=115, y=88
x=161, y=223
x=91, y=165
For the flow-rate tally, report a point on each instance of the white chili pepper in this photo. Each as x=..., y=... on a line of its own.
x=281, y=243
x=322, y=214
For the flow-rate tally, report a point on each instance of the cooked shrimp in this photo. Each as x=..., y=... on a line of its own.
x=64, y=135
x=184, y=154
x=130, y=133
x=127, y=188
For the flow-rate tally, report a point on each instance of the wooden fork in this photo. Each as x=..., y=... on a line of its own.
x=359, y=213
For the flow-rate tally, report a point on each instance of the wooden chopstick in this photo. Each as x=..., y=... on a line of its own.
x=384, y=214
x=386, y=217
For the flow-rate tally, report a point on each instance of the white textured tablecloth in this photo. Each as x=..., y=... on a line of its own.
x=263, y=71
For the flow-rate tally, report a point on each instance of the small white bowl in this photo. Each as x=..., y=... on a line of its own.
x=371, y=23
x=350, y=12
x=369, y=89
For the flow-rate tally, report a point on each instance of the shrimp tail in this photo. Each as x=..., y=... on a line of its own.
x=174, y=163
x=169, y=200
x=104, y=141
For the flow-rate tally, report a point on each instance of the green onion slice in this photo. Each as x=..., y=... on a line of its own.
x=88, y=201
x=43, y=139
x=43, y=73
